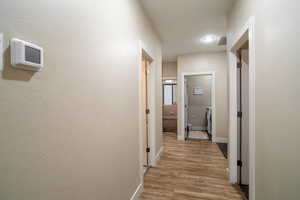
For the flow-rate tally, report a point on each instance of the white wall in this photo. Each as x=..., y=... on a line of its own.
x=169, y=69
x=277, y=93
x=203, y=63
x=71, y=130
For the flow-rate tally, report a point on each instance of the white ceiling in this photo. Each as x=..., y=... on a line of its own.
x=181, y=24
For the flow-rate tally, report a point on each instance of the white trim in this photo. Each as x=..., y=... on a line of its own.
x=1, y=52
x=220, y=140
x=247, y=31
x=144, y=170
x=180, y=137
x=157, y=157
x=181, y=119
x=144, y=51
x=137, y=192
x=232, y=150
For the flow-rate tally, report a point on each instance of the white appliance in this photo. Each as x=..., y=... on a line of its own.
x=25, y=55
x=209, y=120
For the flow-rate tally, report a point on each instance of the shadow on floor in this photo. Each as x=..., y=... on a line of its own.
x=245, y=190
x=224, y=149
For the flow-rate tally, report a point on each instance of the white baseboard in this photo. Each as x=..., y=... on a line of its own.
x=137, y=192
x=144, y=170
x=180, y=137
x=220, y=140
x=157, y=157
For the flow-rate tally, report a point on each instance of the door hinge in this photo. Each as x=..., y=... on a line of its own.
x=147, y=111
x=148, y=149
x=239, y=163
x=239, y=65
x=239, y=114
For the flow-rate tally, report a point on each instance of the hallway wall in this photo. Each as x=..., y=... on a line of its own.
x=70, y=132
x=203, y=63
x=169, y=69
x=277, y=93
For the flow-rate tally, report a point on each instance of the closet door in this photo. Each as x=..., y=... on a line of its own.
x=239, y=122
x=245, y=117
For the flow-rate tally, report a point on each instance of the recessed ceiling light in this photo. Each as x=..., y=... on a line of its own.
x=208, y=39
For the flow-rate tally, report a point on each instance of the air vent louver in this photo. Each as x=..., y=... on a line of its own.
x=222, y=41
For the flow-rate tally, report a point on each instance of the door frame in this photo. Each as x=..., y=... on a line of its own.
x=144, y=52
x=182, y=132
x=247, y=32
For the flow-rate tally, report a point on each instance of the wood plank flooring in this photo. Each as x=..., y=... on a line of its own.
x=189, y=170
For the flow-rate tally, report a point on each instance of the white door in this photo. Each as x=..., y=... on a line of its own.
x=239, y=121
x=245, y=117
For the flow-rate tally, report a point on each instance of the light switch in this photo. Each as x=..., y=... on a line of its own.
x=1, y=52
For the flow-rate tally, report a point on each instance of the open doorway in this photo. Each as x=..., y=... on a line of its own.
x=147, y=112
x=169, y=106
x=198, y=108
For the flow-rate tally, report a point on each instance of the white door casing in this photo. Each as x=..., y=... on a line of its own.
x=247, y=32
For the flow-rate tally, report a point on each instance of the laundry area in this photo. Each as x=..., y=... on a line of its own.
x=198, y=107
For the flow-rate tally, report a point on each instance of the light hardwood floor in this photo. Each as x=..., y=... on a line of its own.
x=192, y=170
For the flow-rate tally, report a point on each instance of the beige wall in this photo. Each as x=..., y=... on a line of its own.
x=169, y=69
x=198, y=103
x=71, y=130
x=277, y=83
x=203, y=63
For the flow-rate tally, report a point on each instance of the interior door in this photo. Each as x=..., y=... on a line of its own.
x=245, y=116
x=239, y=120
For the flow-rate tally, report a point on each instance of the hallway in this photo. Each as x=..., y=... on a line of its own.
x=89, y=88
x=189, y=171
